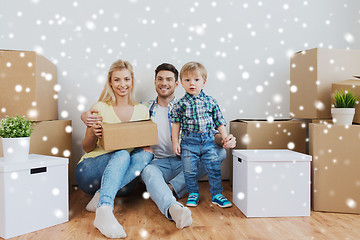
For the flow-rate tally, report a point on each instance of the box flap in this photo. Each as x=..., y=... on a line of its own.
x=271, y=155
x=260, y=120
x=348, y=82
x=123, y=124
x=305, y=50
x=34, y=161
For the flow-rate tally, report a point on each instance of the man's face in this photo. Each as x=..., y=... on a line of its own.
x=165, y=83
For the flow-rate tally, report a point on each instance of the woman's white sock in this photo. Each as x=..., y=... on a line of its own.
x=107, y=224
x=92, y=205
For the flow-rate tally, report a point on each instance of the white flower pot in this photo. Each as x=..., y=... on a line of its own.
x=343, y=116
x=16, y=149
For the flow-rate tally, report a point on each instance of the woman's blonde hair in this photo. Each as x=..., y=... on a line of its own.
x=107, y=95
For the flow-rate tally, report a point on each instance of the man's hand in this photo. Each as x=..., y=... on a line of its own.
x=90, y=117
x=229, y=141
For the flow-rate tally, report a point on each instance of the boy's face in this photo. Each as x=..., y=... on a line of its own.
x=193, y=82
x=165, y=83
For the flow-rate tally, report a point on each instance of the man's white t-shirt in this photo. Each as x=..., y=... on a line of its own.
x=164, y=148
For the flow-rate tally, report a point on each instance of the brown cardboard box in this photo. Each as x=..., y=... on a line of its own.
x=261, y=134
x=128, y=135
x=335, y=167
x=27, y=82
x=53, y=138
x=322, y=121
x=311, y=74
x=352, y=85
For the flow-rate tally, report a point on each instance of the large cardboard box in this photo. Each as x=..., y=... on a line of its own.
x=311, y=74
x=262, y=134
x=33, y=194
x=53, y=138
x=335, y=167
x=27, y=82
x=352, y=85
x=271, y=183
x=128, y=135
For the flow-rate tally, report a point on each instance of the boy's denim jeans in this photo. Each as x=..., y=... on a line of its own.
x=162, y=171
x=111, y=172
x=197, y=147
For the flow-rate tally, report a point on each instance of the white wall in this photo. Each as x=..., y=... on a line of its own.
x=245, y=45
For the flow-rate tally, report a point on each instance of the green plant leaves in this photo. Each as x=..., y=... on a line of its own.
x=344, y=99
x=14, y=127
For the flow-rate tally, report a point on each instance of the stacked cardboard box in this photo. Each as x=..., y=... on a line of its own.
x=262, y=134
x=336, y=166
x=314, y=75
x=28, y=81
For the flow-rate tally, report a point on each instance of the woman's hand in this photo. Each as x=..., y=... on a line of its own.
x=91, y=136
x=97, y=129
x=90, y=117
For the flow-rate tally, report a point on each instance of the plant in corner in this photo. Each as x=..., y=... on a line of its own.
x=344, y=107
x=15, y=136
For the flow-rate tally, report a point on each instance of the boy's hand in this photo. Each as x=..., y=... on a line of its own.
x=90, y=117
x=229, y=141
x=97, y=129
x=176, y=148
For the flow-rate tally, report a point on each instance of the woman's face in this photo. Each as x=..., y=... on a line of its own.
x=121, y=82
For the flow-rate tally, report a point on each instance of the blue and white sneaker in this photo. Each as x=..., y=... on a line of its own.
x=192, y=200
x=221, y=201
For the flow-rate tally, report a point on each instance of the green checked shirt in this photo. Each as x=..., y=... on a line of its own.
x=197, y=113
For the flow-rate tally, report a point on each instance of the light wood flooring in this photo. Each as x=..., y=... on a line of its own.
x=141, y=219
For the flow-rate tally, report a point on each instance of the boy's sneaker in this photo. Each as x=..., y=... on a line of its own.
x=221, y=201
x=192, y=200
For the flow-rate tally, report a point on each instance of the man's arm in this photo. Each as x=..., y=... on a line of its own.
x=229, y=142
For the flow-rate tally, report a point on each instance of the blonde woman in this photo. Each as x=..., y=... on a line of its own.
x=107, y=172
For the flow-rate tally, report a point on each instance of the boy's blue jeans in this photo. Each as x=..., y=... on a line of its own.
x=159, y=172
x=197, y=147
x=111, y=172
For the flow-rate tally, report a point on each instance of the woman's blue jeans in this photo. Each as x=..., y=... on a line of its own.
x=111, y=172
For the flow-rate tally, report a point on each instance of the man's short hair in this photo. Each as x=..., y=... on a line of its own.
x=167, y=67
x=192, y=67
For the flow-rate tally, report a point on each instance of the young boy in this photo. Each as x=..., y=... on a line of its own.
x=197, y=114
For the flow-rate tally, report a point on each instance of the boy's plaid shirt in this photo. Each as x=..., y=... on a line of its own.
x=197, y=114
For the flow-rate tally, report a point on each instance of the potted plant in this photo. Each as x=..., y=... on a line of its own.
x=15, y=136
x=344, y=107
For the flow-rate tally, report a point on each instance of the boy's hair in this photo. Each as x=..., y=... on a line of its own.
x=167, y=67
x=191, y=67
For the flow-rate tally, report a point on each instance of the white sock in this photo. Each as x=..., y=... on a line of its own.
x=92, y=205
x=107, y=224
x=181, y=215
